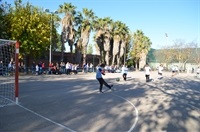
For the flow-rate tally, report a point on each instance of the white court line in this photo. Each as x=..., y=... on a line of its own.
x=136, y=111
x=130, y=130
x=46, y=118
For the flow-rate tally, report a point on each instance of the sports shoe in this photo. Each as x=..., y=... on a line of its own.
x=111, y=86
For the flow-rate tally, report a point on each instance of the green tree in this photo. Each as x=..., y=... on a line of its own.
x=31, y=26
x=98, y=25
x=140, y=48
x=124, y=44
x=5, y=22
x=103, y=27
x=107, y=38
x=120, y=38
x=86, y=27
x=68, y=23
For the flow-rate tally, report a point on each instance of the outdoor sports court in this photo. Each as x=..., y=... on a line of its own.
x=73, y=103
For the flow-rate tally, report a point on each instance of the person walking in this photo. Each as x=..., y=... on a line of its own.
x=99, y=77
x=124, y=72
x=147, y=70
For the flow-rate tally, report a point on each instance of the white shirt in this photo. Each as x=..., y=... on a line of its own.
x=36, y=68
x=124, y=69
x=67, y=66
x=198, y=70
x=160, y=68
x=147, y=70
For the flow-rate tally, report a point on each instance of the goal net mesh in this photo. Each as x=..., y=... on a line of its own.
x=7, y=72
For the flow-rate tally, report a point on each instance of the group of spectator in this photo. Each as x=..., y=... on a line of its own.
x=7, y=69
x=88, y=67
x=54, y=68
x=112, y=68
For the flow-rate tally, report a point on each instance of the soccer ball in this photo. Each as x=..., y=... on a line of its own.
x=117, y=79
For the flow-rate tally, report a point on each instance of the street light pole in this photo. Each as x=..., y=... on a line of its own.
x=51, y=29
x=50, y=38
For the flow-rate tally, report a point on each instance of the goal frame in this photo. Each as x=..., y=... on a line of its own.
x=16, y=78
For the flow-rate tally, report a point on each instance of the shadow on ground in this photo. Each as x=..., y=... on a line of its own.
x=170, y=104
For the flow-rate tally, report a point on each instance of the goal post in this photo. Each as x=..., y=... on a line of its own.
x=9, y=72
x=17, y=71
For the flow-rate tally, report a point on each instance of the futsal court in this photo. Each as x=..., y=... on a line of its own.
x=73, y=103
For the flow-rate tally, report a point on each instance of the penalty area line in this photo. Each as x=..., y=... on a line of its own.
x=136, y=111
x=46, y=118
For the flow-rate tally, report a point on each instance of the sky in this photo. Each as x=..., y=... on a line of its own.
x=179, y=19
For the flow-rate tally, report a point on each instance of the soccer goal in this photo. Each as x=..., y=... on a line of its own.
x=9, y=86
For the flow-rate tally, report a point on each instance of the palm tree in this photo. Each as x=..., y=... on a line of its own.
x=77, y=36
x=99, y=37
x=145, y=49
x=103, y=36
x=117, y=34
x=107, y=37
x=86, y=27
x=140, y=49
x=68, y=31
x=124, y=42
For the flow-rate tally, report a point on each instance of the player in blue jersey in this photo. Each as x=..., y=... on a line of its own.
x=100, y=71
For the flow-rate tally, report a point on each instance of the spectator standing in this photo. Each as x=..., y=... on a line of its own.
x=43, y=68
x=67, y=66
x=37, y=69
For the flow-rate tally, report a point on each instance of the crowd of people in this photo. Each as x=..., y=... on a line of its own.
x=61, y=68
x=54, y=68
x=70, y=68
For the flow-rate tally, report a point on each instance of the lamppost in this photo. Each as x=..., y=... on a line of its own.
x=51, y=22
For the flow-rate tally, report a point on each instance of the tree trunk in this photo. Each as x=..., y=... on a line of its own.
x=78, y=53
x=107, y=58
x=142, y=61
x=115, y=48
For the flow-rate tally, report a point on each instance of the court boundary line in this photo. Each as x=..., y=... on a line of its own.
x=45, y=118
x=136, y=111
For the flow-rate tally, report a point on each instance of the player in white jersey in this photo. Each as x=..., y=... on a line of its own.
x=147, y=70
x=160, y=69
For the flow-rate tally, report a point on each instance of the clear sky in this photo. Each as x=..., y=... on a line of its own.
x=180, y=19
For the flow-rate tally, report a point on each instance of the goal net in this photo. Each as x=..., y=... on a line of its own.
x=8, y=72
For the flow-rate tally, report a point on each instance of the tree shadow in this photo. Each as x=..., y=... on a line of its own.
x=170, y=105
x=175, y=107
